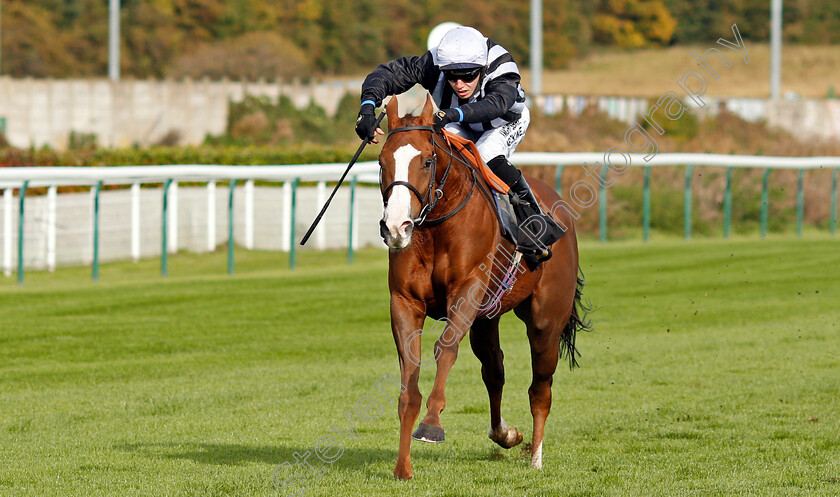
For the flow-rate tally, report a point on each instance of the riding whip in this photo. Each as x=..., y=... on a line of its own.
x=341, y=180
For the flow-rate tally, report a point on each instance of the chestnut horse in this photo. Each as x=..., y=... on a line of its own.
x=443, y=235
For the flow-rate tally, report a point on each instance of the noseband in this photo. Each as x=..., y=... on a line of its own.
x=432, y=195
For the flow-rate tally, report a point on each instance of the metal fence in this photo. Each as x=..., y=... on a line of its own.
x=691, y=161
x=22, y=179
x=291, y=177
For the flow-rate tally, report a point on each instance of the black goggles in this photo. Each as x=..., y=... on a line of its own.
x=465, y=75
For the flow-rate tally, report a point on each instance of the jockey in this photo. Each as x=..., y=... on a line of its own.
x=475, y=84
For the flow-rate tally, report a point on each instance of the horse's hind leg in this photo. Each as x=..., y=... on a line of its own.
x=484, y=339
x=545, y=351
x=544, y=354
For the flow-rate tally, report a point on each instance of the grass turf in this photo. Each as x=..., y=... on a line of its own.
x=712, y=370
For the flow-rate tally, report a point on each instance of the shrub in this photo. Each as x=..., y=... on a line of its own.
x=262, y=121
x=81, y=141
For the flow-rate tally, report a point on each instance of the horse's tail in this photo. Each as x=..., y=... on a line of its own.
x=577, y=322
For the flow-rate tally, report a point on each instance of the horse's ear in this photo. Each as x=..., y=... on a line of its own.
x=428, y=110
x=393, y=112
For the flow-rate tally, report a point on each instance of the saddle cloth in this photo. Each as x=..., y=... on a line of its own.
x=471, y=155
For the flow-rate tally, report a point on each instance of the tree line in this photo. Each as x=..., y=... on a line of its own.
x=283, y=39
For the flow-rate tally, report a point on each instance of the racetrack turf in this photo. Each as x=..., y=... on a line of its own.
x=714, y=369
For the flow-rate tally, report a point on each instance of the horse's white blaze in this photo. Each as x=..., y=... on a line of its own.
x=536, y=457
x=399, y=202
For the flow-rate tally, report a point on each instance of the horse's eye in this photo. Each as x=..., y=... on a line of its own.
x=428, y=163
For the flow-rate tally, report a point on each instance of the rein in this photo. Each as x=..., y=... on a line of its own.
x=430, y=199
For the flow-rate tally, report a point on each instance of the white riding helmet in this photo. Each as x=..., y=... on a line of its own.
x=461, y=48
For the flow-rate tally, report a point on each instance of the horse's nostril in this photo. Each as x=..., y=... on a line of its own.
x=383, y=229
x=407, y=227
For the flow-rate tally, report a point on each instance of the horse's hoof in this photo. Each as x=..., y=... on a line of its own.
x=511, y=438
x=403, y=474
x=428, y=433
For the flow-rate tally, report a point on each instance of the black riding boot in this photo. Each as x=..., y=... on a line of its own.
x=537, y=230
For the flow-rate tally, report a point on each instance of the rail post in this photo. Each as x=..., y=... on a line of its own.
x=687, y=210
x=350, y=234
x=230, y=225
x=646, y=206
x=558, y=180
x=20, y=231
x=603, y=213
x=95, y=269
x=800, y=203
x=765, y=200
x=834, y=202
x=164, y=268
x=727, y=204
x=292, y=244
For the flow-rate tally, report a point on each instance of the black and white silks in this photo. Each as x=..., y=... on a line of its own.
x=498, y=101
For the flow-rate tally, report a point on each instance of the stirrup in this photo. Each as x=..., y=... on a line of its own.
x=531, y=256
x=540, y=253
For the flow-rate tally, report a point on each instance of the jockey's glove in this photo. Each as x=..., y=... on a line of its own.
x=446, y=116
x=366, y=122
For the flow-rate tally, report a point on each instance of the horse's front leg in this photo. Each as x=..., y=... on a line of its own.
x=407, y=318
x=461, y=313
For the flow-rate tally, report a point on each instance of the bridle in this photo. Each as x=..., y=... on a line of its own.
x=429, y=200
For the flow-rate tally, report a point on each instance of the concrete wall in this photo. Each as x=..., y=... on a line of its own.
x=45, y=112
x=74, y=223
